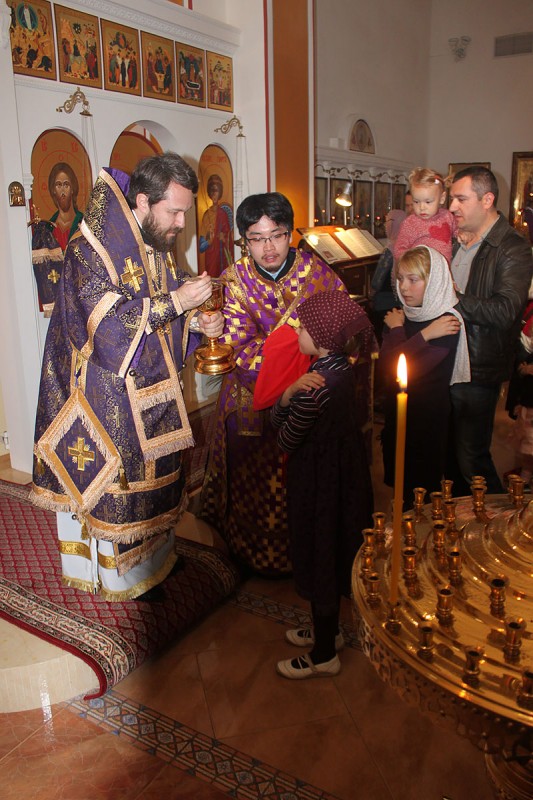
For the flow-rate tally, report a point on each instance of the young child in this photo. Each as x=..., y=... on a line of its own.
x=432, y=336
x=329, y=492
x=430, y=223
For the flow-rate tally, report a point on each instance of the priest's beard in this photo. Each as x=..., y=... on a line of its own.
x=162, y=239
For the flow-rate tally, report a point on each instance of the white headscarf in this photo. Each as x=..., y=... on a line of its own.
x=439, y=299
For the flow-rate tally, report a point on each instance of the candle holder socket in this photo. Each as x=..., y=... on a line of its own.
x=445, y=606
x=393, y=624
x=498, y=586
x=409, y=565
x=379, y=525
x=409, y=532
x=367, y=564
x=446, y=488
x=371, y=583
x=473, y=657
x=436, y=505
x=455, y=564
x=426, y=631
x=368, y=545
x=478, y=497
x=439, y=537
x=514, y=628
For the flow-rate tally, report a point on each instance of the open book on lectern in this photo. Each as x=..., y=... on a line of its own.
x=334, y=244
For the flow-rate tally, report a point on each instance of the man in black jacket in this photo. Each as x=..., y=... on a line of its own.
x=492, y=274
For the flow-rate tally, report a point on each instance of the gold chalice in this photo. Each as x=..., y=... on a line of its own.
x=214, y=358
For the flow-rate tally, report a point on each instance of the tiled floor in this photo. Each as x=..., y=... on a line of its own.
x=210, y=719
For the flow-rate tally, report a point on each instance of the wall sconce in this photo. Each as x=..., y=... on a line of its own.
x=241, y=188
x=458, y=45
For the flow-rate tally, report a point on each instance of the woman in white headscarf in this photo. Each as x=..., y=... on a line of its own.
x=431, y=334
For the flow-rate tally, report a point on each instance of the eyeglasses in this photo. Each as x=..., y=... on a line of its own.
x=275, y=238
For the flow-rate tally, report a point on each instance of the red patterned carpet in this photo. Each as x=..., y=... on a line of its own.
x=113, y=638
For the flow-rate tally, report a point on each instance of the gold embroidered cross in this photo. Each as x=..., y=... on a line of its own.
x=53, y=276
x=159, y=307
x=132, y=274
x=81, y=453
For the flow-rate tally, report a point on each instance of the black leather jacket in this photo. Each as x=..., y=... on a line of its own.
x=494, y=299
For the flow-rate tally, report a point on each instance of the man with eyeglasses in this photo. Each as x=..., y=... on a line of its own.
x=243, y=494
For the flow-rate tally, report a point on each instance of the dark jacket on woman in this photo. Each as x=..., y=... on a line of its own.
x=493, y=302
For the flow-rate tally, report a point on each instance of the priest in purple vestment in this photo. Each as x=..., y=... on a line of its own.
x=111, y=419
x=244, y=491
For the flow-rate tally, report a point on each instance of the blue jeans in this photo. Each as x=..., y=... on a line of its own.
x=473, y=409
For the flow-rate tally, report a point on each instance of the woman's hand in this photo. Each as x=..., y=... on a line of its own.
x=305, y=383
x=446, y=325
x=394, y=318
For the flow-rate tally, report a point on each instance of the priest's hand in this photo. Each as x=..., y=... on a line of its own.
x=211, y=324
x=192, y=293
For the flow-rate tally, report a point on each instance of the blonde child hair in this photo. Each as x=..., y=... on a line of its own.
x=423, y=176
x=418, y=261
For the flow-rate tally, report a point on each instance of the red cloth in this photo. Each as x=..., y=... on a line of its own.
x=283, y=363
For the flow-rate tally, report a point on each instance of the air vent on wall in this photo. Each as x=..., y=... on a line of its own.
x=514, y=45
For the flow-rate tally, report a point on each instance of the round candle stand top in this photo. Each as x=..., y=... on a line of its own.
x=458, y=642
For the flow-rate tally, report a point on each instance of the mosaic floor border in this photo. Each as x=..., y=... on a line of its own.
x=201, y=756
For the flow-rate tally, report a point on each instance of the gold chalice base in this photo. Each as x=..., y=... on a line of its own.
x=214, y=358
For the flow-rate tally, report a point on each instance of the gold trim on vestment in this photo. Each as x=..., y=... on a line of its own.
x=78, y=407
x=78, y=583
x=142, y=586
x=104, y=305
x=51, y=501
x=140, y=552
x=162, y=392
x=136, y=339
x=78, y=370
x=107, y=562
x=81, y=549
x=128, y=213
x=74, y=549
x=149, y=471
x=129, y=532
x=100, y=250
x=45, y=254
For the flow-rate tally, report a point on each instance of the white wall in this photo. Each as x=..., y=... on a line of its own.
x=371, y=63
x=480, y=107
x=29, y=107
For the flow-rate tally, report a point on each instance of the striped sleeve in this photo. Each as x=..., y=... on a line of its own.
x=303, y=411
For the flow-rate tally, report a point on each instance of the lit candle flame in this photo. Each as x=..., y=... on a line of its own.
x=402, y=372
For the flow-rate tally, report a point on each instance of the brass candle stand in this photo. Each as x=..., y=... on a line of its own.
x=459, y=642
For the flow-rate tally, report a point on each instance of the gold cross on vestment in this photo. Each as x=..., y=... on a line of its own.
x=81, y=453
x=132, y=274
x=53, y=276
x=160, y=307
